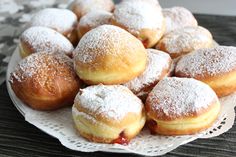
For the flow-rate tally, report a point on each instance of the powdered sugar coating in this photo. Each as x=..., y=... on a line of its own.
x=112, y=102
x=61, y=20
x=82, y=7
x=158, y=61
x=180, y=97
x=103, y=40
x=137, y=15
x=40, y=65
x=95, y=18
x=185, y=40
x=45, y=39
x=178, y=17
x=213, y=61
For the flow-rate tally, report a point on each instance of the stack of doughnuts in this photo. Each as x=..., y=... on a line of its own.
x=132, y=63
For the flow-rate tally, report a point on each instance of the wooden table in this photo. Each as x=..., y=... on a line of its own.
x=19, y=138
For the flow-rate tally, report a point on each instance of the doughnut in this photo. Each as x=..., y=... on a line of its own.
x=184, y=40
x=92, y=20
x=141, y=18
x=45, y=81
x=82, y=7
x=178, y=17
x=37, y=39
x=108, y=114
x=109, y=55
x=63, y=21
x=158, y=66
x=181, y=106
x=214, y=66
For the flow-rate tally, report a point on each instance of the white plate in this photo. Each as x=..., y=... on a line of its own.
x=59, y=124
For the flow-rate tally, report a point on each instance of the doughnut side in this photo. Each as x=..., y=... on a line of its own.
x=99, y=131
x=111, y=70
x=185, y=125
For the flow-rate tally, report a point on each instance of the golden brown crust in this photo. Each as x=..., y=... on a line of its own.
x=46, y=89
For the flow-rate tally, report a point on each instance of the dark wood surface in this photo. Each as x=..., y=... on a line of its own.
x=19, y=138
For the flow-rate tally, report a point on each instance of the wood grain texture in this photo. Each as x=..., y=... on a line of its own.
x=19, y=138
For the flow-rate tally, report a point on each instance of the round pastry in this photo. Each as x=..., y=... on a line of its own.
x=184, y=40
x=108, y=114
x=82, y=7
x=215, y=66
x=142, y=19
x=109, y=55
x=63, y=21
x=92, y=20
x=158, y=66
x=181, y=106
x=38, y=39
x=178, y=17
x=45, y=81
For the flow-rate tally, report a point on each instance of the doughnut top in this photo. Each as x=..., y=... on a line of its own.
x=213, y=61
x=178, y=17
x=158, y=61
x=62, y=20
x=40, y=65
x=174, y=98
x=111, y=102
x=95, y=18
x=104, y=40
x=186, y=39
x=45, y=39
x=138, y=14
x=85, y=6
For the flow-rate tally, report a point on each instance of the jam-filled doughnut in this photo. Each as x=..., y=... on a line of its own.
x=184, y=40
x=45, y=81
x=82, y=7
x=109, y=55
x=108, y=114
x=38, y=39
x=92, y=20
x=181, y=106
x=215, y=66
x=63, y=21
x=141, y=18
x=158, y=67
x=178, y=17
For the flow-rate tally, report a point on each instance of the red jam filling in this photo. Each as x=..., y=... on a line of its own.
x=121, y=139
x=145, y=43
x=152, y=125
